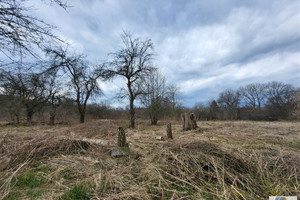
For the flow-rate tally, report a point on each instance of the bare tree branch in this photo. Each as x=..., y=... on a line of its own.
x=22, y=33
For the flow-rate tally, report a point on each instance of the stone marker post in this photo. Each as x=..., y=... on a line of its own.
x=122, y=149
x=169, y=131
x=183, y=121
x=121, y=138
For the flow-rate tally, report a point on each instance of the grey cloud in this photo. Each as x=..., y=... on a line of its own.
x=212, y=44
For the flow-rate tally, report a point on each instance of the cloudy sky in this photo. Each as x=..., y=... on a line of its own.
x=201, y=46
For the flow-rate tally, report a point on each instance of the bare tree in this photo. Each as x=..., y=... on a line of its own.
x=27, y=88
x=133, y=62
x=296, y=113
x=229, y=100
x=82, y=77
x=21, y=32
x=214, y=110
x=154, y=95
x=55, y=101
x=254, y=94
x=201, y=111
x=10, y=105
x=280, y=100
x=172, y=95
x=54, y=87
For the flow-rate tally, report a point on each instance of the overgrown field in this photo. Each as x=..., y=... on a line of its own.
x=219, y=160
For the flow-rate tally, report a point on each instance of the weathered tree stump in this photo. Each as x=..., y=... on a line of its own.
x=183, y=121
x=188, y=121
x=169, y=131
x=194, y=121
x=190, y=126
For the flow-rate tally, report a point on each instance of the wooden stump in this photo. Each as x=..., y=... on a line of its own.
x=194, y=121
x=183, y=121
x=188, y=121
x=121, y=138
x=169, y=131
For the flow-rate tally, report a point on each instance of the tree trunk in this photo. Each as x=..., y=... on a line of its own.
x=29, y=116
x=132, y=113
x=153, y=120
x=52, y=119
x=81, y=111
x=82, y=117
x=52, y=116
x=18, y=119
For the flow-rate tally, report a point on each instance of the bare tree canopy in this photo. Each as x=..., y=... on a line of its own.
x=83, y=77
x=31, y=90
x=230, y=101
x=172, y=95
x=133, y=62
x=154, y=95
x=281, y=100
x=254, y=94
x=22, y=33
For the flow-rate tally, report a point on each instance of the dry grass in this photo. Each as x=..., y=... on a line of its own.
x=220, y=160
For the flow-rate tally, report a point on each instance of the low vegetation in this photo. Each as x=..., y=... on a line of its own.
x=219, y=160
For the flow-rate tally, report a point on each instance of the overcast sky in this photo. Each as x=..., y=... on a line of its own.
x=201, y=46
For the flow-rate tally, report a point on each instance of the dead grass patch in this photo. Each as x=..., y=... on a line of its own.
x=215, y=163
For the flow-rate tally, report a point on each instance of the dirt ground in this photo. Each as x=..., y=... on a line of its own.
x=219, y=160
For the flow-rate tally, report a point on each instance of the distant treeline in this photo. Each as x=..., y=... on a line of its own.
x=14, y=111
x=257, y=101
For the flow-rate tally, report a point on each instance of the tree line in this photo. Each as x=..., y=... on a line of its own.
x=255, y=101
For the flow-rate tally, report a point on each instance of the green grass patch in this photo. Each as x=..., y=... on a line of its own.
x=29, y=180
x=207, y=196
x=279, y=143
x=81, y=191
x=295, y=144
x=13, y=196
